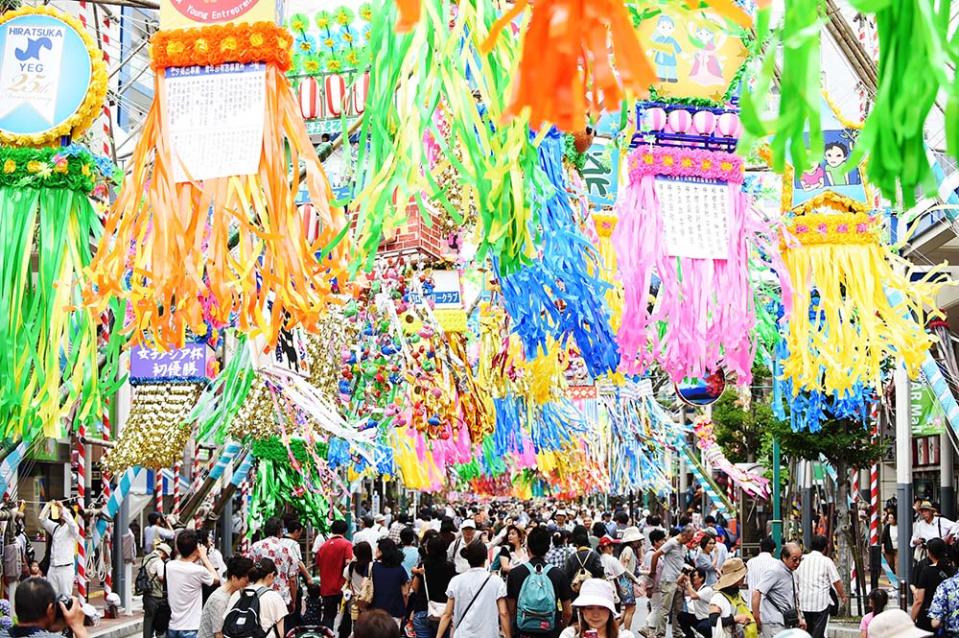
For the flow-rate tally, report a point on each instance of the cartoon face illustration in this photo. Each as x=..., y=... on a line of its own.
x=836, y=153
x=665, y=26
x=704, y=34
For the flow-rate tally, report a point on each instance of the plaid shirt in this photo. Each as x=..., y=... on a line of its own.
x=395, y=530
x=557, y=556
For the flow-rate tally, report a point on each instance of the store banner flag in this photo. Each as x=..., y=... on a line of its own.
x=925, y=414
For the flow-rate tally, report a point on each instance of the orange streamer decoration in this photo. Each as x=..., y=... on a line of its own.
x=566, y=52
x=409, y=14
x=229, y=248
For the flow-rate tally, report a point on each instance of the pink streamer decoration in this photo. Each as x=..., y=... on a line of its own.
x=704, y=307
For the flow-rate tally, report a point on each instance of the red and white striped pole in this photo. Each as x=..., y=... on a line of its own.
x=81, y=522
x=177, y=467
x=158, y=489
x=105, y=482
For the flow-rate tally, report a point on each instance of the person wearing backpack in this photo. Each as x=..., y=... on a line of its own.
x=256, y=611
x=215, y=608
x=150, y=584
x=585, y=563
x=538, y=596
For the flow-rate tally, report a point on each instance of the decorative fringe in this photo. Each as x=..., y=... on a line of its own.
x=568, y=49
x=703, y=312
x=176, y=238
x=50, y=357
x=851, y=326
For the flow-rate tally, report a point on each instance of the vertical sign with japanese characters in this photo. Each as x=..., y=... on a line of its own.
x=180, y=364
x=695, y=218
x=215, y=117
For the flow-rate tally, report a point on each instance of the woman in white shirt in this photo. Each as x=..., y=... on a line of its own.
x=595, y=610
x=272, y=608
x=729, y=615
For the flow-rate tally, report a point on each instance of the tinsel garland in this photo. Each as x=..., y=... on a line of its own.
x=556, y=297
x=157, y=429
x=177, y=238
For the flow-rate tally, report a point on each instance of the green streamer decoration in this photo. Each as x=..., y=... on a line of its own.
x=432, y=83
x=51, y=373
x=276, y=485
x=799, y=107
x=913, y=45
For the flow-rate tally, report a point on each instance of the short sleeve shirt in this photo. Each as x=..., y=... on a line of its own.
x=514, y=583
x=185, y=592
x=776, y=587
x=672, y=558
x=945, y=605
x=929, y=579
x=214, y=610
x=481, y=619
x=272, y=609
x=388, y=589
x=282, y=556
x=334, y=554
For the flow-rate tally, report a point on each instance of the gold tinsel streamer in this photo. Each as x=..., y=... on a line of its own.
x=256, y=417
x=157, y=432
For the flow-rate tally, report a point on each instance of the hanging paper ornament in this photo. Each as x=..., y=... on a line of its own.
x=202, y=235
x=682, y=219
x=753, y=484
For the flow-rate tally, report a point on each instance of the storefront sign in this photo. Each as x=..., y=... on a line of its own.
x=182, y=364
x=184, y=14
x=925, y=414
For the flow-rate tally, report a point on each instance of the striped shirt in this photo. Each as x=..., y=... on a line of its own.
x=757, y=566
x=815, y=577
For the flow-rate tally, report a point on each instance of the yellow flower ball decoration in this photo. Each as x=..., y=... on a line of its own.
x=89, y=110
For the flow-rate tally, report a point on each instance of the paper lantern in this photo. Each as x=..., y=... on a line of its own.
x=361, y=89
x=335, y=87
x=655, y=119
x=729, y=125
x=704, y=122
x=679, y=121
x=308, y=96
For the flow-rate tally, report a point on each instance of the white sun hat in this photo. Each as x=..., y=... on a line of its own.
x=596, y=592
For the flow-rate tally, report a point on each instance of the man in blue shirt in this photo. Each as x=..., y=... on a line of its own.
x=944, y=610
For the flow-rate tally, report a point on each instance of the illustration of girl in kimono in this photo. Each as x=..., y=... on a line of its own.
x=707, y=39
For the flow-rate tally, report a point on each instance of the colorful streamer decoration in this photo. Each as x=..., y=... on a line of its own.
x=191, y=254
x=753, y=484
x=843, y=325
x=700, y=318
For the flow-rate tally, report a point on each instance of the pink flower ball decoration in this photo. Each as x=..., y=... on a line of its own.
x=704, y=122
x=729, y=125
x=679, y=122
x=655, y=119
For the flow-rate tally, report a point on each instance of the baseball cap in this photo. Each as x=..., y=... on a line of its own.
x=895, y=623
x=607, y=540
x=469, y=523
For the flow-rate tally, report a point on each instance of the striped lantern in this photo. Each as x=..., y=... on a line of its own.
x=679, y=121
x=361, y=88
x=308, y=96
x=655, y=119
x=729, y=125
x=704, y=122
x=335, y=89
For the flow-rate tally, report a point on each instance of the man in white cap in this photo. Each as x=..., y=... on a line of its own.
x=560, y=521
x=467, y=536
x=895, y=623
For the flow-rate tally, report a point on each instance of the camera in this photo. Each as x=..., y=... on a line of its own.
x=67, y=602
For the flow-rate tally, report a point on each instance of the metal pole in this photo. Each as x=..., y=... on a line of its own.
x=120, y=585
x=806, y=472
x=226, y=526
x=903, y=482
x=947, y=490
x=777, y=497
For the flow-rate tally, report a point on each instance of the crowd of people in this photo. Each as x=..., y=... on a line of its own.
x=513, y=570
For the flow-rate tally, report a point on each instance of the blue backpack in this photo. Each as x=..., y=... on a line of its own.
x=536, y=605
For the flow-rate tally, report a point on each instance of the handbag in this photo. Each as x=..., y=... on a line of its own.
x=365, y=596
x=433, y=610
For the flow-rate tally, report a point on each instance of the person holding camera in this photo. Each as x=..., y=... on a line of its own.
x=775, y=600
x=64, y=533
x=41, y=613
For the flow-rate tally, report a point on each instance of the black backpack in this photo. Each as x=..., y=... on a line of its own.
x=243, y=619
x=142, y=583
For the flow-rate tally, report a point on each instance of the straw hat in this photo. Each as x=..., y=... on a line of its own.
x=734, y=569
x=631, y=534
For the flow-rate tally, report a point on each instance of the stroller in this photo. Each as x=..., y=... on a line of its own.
x=310, y=631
